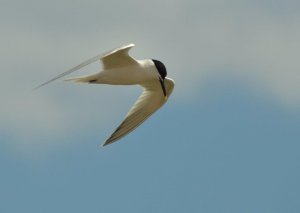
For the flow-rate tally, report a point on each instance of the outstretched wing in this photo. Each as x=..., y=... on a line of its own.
x=149, y=101
x=117, y=57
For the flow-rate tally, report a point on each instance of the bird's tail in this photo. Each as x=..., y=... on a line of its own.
x=83, y=79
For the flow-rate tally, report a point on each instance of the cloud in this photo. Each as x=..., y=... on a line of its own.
x=261, y=45
x=257, y=41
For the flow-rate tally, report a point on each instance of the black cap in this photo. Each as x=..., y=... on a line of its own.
x=160, y=68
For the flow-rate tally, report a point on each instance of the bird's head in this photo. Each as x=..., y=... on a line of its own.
x=162, y=71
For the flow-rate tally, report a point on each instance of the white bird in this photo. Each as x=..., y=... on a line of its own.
x=121, y=69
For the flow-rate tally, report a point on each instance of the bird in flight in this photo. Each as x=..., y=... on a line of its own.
x=119, y=68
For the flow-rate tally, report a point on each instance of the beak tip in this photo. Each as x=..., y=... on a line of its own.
x=162, y=83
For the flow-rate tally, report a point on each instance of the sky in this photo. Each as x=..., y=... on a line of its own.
x=226, y=141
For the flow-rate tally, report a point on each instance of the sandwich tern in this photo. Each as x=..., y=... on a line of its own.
x=119, y=68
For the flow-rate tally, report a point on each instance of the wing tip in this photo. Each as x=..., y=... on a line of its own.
x=104, y=144
x=41, y=85
x=107, y=142
x=36, y=88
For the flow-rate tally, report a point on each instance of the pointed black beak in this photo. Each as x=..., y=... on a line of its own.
x=162, y=83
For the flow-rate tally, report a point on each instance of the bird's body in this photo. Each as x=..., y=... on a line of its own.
x=141, y=72
x=121, y=69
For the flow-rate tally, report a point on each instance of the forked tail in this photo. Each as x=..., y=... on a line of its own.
x=84, y=79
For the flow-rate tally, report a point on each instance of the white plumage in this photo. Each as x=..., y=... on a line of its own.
x=119, y=68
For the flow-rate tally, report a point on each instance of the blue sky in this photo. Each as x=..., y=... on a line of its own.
x=227, y=140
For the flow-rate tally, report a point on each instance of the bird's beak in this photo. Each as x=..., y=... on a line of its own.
x=162, y=83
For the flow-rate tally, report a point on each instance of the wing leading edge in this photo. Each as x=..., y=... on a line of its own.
x=149, y=102
x=112, y=59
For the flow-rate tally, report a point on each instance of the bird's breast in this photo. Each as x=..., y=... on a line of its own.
x=128, y=75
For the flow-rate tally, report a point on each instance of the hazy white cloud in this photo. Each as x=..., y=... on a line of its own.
x=258, y=41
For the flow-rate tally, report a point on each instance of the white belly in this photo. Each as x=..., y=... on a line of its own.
x=128, y=75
